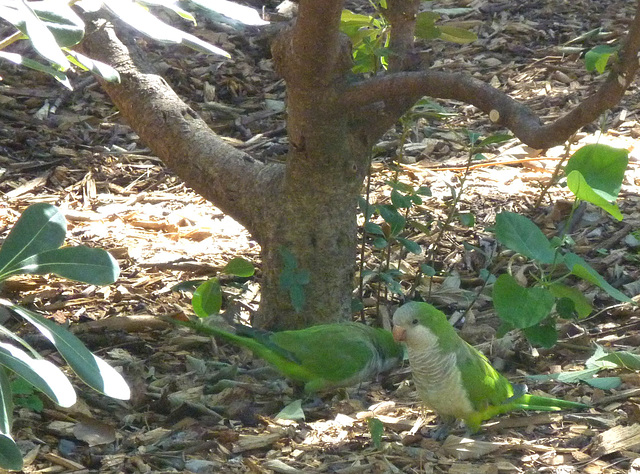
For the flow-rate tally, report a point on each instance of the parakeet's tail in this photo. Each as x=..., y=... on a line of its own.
x=539, y=403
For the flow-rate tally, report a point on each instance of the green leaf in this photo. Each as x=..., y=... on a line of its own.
x=40, y=373
x=296, y=294
x=239, y=267
x=426, y=25
x=457, y=35
x=41, y=227
x=581, y=303
x=98, y=68
x=566, y=308
x=428, y=270
x=466, y=219
x=493, y=139
x=579, y=186
x=373, y=229
x=380, y=242
x=393, y=218
x=67, y=27
x=601, y=166
x=20, y=15
x=424, y=191
x=376, y=430
x=519, y=306
x=391, y=283
x=400, y=201
x=578, y=267
x=207, y=299
x=293, y=411
x=139, y=18
x=172, y=5
x=84, y=264
x=521, y=235
x=410, y=245
x=544, y=335
x=93, y=371
x=31, y=64
x=623, y=359
x=604, y=383
x=10, y=455
x=598, y=57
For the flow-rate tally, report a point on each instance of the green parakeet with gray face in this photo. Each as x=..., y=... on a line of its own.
x=452, y=378
x=322, y=357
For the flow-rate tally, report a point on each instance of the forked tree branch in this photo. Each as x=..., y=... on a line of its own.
x=502, y=109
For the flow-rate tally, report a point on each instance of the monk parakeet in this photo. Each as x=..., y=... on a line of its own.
x=453, y=378
x=322, y=357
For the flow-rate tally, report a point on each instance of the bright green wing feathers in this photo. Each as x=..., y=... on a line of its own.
x=484, y=384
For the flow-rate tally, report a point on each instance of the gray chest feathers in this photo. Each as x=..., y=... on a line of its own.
x=437, y=378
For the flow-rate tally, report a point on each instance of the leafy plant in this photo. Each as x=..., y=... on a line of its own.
x=369, y=34
x=594, y=173
x=53, y=28
x=34, y=247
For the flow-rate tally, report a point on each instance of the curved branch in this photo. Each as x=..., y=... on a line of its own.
x=501, y=108
x=235, y=182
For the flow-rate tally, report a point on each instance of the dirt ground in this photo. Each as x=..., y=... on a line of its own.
x=201, y=406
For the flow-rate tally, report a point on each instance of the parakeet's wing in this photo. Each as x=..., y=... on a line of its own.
x=335, y=352
x=484, y=384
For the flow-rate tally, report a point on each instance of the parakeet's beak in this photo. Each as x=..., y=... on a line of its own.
x=399, y=334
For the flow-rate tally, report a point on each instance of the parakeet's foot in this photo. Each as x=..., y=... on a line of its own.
x=441, y=432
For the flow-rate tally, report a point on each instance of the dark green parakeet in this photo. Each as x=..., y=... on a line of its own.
x=322, y=357
x=454, y=379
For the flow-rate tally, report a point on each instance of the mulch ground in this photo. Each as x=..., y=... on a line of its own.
x=199, y=406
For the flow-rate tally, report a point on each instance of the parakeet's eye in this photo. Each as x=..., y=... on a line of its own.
x=414, y=322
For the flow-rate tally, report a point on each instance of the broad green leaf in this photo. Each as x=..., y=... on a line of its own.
x=20, y=15
x=581, y=303
x=426, y=25
x=578, y=267
x=623, y=359
x=424, y=191
x=373, y=229
x=544, y=335
x=93, y=371
x=393, y=218
x=601, y=166
x=466, y=219
x=519, y=306
x=399, y=200
x=376, y=430
x=457, y=35
x=521, y=235
x=67, y=27
x=598, y=57
x=582, y=190
x=41, y=227
x=10, y=455
x=410, y=245
x=240, y=267
x=207, y=299
x=83, y=264
x=139, y=18
x=391, y=283
x=293, y=411
x=98, y=68
x=400, y=186
x=566, y=308
x=604, y=383
x=31, y=64
x=380, y=242
x=40, y=373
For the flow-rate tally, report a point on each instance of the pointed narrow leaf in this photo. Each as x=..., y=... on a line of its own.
x=67, y=27
x=521, y=235
x=40, y=373
x=139, y=18
x=10, y=455
x=84, y=264
x=240, y=267
x=577, y=266
x=41, y=227
x=31, y=64
x=207, y=299
x=241, y=13
x=6, y=403
x=94, y=371
x=98, y=68
x=410, y=245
